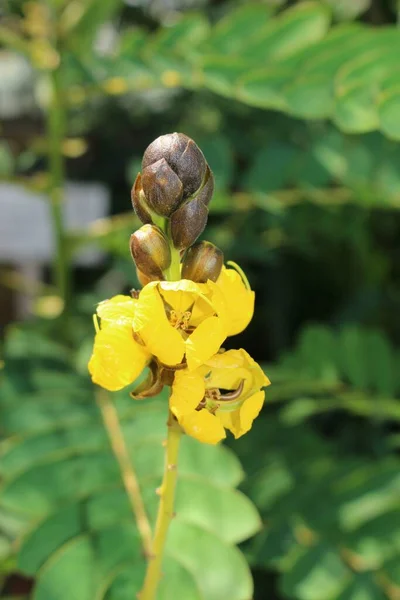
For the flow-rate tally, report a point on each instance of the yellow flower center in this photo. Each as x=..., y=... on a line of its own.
x=180, y=320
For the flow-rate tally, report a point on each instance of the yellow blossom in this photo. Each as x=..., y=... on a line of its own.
x=239, y=299
x=117, y=358
x=181, y=319
x=224, y=393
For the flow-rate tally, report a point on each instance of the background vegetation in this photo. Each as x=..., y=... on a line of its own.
x=296, y=106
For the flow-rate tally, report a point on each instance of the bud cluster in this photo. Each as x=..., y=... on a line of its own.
x=171, y=196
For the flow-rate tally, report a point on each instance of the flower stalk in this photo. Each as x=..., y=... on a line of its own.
x=176, y=324
x=165, y=510
x=131, y=484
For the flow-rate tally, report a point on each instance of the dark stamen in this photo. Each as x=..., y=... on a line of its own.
x=233, y=395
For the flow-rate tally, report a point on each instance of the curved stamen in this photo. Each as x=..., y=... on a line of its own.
x=233, y=395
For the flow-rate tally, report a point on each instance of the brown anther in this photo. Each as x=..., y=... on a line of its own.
x=171, y=468
x=135, y=294
x=213, y=394
x=201, y=404
x=173, y=319
x=179, y=320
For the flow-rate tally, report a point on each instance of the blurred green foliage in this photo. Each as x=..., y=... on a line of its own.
x=296, y=106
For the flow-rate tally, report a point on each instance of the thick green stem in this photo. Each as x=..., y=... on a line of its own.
x=173, y=273
x=56, y=126
x=165, y=511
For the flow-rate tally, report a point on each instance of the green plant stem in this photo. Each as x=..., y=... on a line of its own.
x=131, y=484
x=56, y=126
x=165, y=511
x=173, y=273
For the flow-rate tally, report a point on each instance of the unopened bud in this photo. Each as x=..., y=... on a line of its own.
x=202, y=262
x=150, y=251
x=188, y=222
x=206, y=192
x=162, y=188
x=139, y=201
x=183, y=156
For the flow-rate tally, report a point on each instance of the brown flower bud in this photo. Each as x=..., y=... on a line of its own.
x=202, y=262
x=162, y=188
x=206, y=192
x=183, y=156
x=150, y=251
x=188, y=222
x=139, y=201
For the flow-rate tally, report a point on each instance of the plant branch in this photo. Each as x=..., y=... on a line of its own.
x=165, y=511
x=56, y=126
x=117, y=441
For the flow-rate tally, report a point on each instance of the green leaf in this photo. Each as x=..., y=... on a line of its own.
x=272, y=168
x=264, y=88
x=80, y=36
x=231, y=35
x=352, y=353
x=180, y=39
x=318, y=350
x=344, y=10
x=220, y=73
x=377, y=540
x=362, y=587
x=389, y=113
x=64, y=482
x=218, y=153
x=317, y=574
x=380, y=363
x=294, y=29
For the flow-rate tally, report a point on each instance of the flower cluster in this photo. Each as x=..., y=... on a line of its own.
x=189, y=304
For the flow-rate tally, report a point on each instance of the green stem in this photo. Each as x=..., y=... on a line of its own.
x=165, y=511
x=173, y=273
x=56, y=127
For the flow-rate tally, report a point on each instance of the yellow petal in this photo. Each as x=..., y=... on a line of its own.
x=239, y=300
x=228, y=369
x=203, y=426
x=210, y=302
x=152, y=324
x=258, y=375
x=118, y=310
x=205, y=341
x=117, y=360
x=187, y=392
x=180, y=295
x=250, y=410
x=201, y=310
x=240, y=421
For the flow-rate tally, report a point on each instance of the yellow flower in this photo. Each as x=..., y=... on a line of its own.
x=181, y=319
x=117, y=358
x=239, y=299
x=224, y=393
